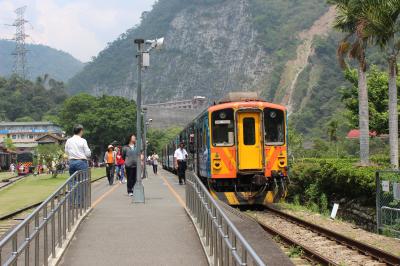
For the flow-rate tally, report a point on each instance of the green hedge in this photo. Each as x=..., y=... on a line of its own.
x=334, y=179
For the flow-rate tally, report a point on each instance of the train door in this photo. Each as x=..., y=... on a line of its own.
x=250, y=144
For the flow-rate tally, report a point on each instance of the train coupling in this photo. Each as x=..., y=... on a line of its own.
x=259, y=180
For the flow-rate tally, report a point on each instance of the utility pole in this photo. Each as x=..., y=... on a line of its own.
x=20, y=51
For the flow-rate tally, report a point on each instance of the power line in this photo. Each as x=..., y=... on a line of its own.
x=20, y=64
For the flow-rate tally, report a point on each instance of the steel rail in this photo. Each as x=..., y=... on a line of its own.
x=225, y=244
x=362, y=248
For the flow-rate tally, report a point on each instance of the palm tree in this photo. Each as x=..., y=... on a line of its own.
x=354, y=44
x=382, y=26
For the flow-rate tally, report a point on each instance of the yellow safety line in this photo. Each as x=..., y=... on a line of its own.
x=173, y=191
x=102, y=197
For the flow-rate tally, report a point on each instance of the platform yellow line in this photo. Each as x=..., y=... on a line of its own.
x=102, y=197
x=173, y=191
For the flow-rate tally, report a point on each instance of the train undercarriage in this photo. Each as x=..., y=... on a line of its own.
x=249, y=189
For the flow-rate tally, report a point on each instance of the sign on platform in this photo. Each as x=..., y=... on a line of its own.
x=334, y=210
x=385, y=186
x=396, y=191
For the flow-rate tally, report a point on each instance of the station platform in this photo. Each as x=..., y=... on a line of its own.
x=119, y=232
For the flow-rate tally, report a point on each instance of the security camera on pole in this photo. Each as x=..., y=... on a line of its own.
x=143, y=60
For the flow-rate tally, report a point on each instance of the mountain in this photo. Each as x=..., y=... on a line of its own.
x=285, y=50
x=41, y=60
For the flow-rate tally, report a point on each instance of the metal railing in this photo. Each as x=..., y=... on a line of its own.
x=36, y=239
x=223, y=241
x=388, y=203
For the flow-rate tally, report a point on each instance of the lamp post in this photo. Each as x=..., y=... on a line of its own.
x=143, y=60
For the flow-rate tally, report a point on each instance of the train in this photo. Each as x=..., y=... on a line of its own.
x=238, y=148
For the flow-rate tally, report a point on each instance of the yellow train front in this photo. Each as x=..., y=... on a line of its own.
x=239, y=149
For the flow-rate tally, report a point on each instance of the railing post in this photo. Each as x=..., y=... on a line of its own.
x=45, y=237
x=378, y=201
x=27, y=238
x=15, y=248
x=37, y=239
x=53, y=230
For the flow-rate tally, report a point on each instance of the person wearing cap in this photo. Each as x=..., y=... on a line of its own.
x=180, y=157
x=109, y=159
x=77, y=150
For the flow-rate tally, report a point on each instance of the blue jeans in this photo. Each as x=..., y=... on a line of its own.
x=120, y=172
x=76, y=165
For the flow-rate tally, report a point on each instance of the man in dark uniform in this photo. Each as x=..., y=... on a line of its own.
x=180, y=157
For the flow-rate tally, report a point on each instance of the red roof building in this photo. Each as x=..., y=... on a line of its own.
x=355, y=134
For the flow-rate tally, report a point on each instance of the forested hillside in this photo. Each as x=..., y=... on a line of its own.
x=23, y=100
x=285, y=50
x=41, y=60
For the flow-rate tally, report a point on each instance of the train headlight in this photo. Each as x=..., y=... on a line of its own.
x=217, y=164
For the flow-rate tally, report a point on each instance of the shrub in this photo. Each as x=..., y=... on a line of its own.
x=324, y=180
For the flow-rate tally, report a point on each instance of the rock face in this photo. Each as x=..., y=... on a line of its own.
x=209, y=50
x=225, y=40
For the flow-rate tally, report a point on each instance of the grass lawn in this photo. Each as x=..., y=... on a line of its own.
x=34, y=189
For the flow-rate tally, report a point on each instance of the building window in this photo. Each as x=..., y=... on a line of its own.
x=14, y=136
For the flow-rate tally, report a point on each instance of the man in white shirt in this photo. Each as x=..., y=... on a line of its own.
x=77, y=150
x=180, y=157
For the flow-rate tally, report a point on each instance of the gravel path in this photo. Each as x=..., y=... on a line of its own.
x=328, y=248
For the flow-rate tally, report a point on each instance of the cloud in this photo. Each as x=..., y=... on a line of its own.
x=80, y=27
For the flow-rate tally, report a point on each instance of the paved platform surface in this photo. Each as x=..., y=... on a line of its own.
x=118, y=232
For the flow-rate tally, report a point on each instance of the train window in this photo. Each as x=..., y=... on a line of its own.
x=274, y=124
x=223, y=127
x=249, y=131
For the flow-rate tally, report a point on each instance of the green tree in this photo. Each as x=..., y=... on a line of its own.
x=105, y=119
x=159, y=138
x=377, y=82
x=295, y=144
x=50, y=155
x=350, y=21
x=383, y=27
x=9, y=144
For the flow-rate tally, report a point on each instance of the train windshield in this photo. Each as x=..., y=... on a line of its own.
x=223, y=127
x=274, y=123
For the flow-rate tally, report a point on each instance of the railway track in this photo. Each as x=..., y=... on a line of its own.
x=320, y=245
x=12, y=219
x=11, y=180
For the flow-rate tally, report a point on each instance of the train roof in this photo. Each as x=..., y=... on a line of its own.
x=241, y=97
x=246, y=104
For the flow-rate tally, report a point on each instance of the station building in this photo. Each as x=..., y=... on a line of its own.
x=27, y=135
x=197, y=102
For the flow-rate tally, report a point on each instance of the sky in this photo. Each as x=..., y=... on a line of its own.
x=80, y=27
